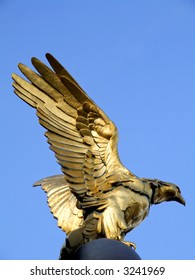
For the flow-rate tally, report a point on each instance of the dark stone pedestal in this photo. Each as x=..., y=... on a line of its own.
x=103, y=249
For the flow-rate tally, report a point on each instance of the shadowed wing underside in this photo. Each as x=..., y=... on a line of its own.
x=82, y=137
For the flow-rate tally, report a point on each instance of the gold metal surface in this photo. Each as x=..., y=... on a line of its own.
x=96, y=196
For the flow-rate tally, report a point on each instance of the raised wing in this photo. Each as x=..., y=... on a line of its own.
x=83, y=138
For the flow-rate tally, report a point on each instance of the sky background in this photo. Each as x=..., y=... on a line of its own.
x=136, y=60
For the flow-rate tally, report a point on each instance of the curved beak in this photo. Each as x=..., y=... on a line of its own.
x=179, y=198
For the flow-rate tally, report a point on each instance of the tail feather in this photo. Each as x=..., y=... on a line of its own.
x=80, y=236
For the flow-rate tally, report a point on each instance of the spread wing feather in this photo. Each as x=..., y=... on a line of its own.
x=62, y=202
x=82, y=137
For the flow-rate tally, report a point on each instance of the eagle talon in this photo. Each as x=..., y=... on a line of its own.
x=130, y=244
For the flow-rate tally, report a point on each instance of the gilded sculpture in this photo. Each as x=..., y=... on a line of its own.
x=95, y=196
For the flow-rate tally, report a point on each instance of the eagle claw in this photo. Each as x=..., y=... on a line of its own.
x=130, y=244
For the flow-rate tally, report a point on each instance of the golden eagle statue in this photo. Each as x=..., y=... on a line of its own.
x=96, y=196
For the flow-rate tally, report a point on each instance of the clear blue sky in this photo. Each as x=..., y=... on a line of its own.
x=136, y=59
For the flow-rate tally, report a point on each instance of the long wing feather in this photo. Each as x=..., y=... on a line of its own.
x=82, y=137
x=62, y=202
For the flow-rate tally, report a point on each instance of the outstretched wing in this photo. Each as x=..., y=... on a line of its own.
x=62, y=202
x=83, y=138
